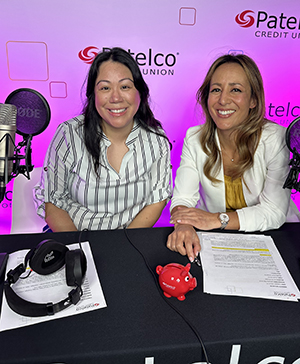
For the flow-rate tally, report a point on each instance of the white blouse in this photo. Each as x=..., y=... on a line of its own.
x=112, y=201
x=268, y=204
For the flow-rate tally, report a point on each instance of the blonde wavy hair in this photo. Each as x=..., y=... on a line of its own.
x=247, y=134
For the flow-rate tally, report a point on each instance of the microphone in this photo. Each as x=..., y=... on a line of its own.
x=292, y=137
x=25, y=112
x=8, y=115
x=291, y=181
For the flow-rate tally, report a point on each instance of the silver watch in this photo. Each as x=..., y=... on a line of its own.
x=224, y=219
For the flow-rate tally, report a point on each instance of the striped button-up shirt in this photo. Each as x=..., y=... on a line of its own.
x=112, y=200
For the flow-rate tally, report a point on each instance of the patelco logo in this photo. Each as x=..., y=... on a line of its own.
x=151, y=62
x=244, y=19
x=88, y=54
x=269, y=26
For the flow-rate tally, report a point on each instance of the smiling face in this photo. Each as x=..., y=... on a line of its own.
x=116, y=98
x=229, y=99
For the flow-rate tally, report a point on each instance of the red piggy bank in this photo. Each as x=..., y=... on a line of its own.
x=176, y=280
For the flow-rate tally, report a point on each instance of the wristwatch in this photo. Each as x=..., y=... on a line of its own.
x=224, y=219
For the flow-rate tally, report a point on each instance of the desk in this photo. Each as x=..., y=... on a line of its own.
x=138, y=326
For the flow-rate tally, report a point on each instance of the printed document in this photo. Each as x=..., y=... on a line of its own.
x=245, y=265
x=51, y=288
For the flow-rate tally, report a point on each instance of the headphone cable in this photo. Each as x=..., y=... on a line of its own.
x=192, y=327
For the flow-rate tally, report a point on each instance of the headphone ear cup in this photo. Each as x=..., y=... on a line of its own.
x=75, y=267
x=48, y=257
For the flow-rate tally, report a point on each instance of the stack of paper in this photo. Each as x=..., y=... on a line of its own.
x=245, y=265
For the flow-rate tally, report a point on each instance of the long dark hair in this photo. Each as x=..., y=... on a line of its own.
x=249, y=131
x=92, y=120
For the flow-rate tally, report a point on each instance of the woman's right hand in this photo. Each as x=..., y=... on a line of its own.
x=184, y=240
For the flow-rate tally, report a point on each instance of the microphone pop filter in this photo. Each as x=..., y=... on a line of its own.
x=33, y=114
x=293, y=136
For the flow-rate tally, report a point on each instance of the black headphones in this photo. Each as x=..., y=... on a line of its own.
x=44, y=259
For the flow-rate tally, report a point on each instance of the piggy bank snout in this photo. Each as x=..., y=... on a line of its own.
x=193, y=283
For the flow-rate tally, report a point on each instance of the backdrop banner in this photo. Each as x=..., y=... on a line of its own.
x=48, y=46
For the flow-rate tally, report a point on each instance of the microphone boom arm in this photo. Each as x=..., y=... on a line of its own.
x=292, y=178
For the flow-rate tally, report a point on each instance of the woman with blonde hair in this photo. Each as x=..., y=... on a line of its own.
x=234, y=166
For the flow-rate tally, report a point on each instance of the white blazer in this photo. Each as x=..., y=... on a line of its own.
x=268, y=204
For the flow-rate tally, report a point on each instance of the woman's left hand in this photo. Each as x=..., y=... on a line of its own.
x=198, y=218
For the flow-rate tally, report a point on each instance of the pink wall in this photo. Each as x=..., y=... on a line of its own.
x=44, y=46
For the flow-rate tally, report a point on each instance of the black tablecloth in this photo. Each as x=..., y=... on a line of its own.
x=138, y=326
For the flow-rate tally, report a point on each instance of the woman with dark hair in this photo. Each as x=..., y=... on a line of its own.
x=110, y=167
x=233, y=167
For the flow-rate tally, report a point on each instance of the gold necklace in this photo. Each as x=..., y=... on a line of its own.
x=231, y=158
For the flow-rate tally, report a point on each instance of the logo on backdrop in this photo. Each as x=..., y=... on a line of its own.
x=245, y=19
x=6, y=203
x=269, y=26
x=150, y=62
x=88, y=54
x=284, y=113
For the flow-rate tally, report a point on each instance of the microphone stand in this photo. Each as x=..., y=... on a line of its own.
x=6, y=139
x=28, y=167
x=17, y=168
x=292, y=178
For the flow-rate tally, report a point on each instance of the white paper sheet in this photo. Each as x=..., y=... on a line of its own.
x=245, y=265
x=51, y=288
